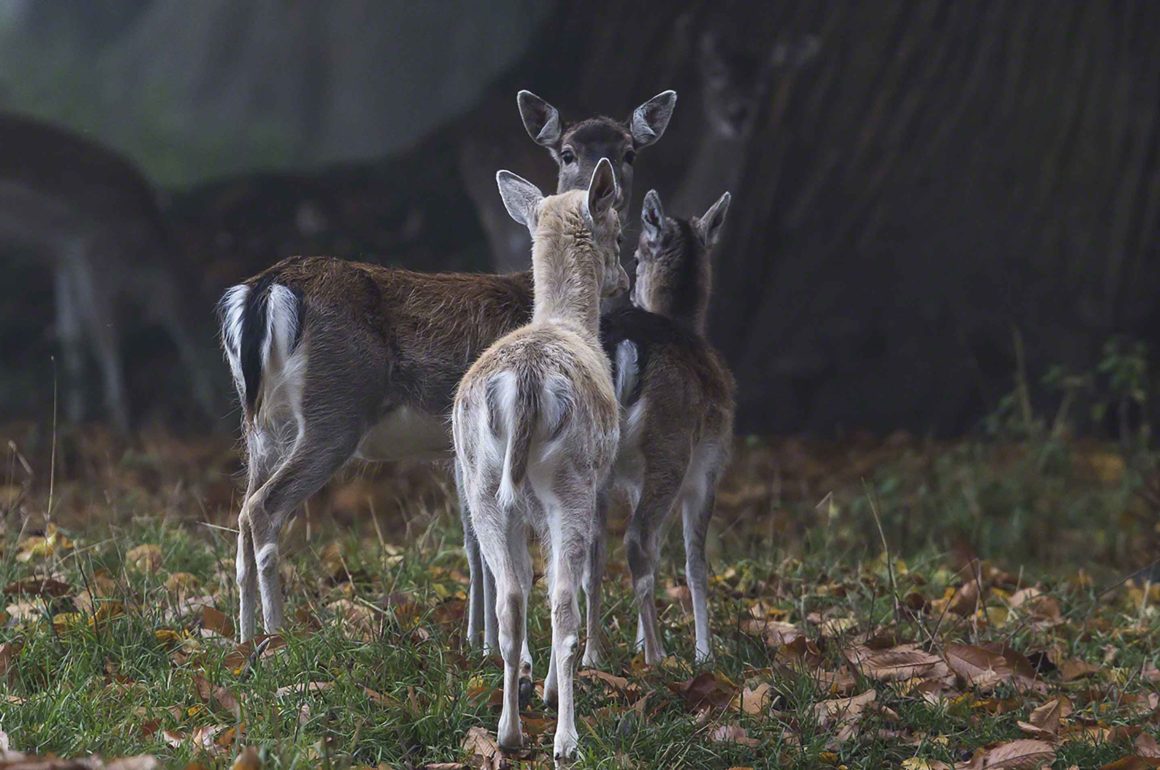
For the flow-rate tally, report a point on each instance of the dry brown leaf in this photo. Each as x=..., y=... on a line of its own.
x=144, y=558
x=753, y=701
x=141, y=762
x=775, y=633
x=1132, y=762
x=1044, y=721
x=1074, y=668
x=894, y=664
x=1146, y=746
x=985, y=668
x=706, y=689
x=218, y=622
x=965, y=600
x=247, y=760
x=732, y=734
x=46, y=587
x=618, y=683
x=843, y=713
x=297, y=689
x=1022, y=754
x=483, y=747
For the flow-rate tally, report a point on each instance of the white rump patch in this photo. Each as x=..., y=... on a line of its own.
x=507, y=391
x=281, y=325
x=233, y=305
x=627, y=370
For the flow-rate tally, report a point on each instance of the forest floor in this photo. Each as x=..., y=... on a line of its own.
x=897, y=603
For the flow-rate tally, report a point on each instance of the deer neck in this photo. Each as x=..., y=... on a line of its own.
x=564, y=272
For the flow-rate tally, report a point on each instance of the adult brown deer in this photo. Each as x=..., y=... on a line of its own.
x=576, y=148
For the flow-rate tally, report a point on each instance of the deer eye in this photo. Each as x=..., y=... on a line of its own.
x=568, y=157
x=629, y=156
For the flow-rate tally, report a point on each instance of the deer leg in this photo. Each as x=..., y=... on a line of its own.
x=570, y=525
x=262, y=455
x=503, y=549
x=70, y=335
x=662, y=482
x=325, y=442
x=696, y=508
x=96, y=306
x=475, y=566
x=593, y=577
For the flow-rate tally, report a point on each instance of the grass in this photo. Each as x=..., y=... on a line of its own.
x=120, y=655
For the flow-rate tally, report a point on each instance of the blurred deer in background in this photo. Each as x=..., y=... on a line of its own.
x=734, y=84
x=95, y=219
x=576, y=148
x=536, y=425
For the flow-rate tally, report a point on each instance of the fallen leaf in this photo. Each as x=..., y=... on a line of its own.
x=775, y=633
x=732, y=734
x=843, y=714
x=618, y=683
x=47, y=587
x=1022, y=754
x=1146, y=746
x=1074, y=668
x=483, y=747
x=706, y=689
x=896, y=664
x=1132, y=762
x=753, y=701
x=247, y=760
x=218, y=622
x=1044, y=721
x=144, y=558
x=965, y=600
x=985, y=669
x=917, y=763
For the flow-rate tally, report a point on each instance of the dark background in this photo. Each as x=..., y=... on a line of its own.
x=924, y=182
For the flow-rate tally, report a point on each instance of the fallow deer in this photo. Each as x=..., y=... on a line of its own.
x=535, y=426
x=90, y=214
x=333, y=360
x=576, y=148
x=733, y=84
x=678, y=399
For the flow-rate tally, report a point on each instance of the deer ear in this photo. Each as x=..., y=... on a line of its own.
x=652, y=215
x=520, y=197
x=650, y=120
x=602, y=189
x=541, y=120
x=709, y=225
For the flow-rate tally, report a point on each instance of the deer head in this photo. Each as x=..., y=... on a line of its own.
x=577, y=149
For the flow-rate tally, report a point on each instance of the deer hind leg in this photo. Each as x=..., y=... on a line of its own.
x=97, y=312
x=264, y=452
x=696, y=508
x=593, y=577
x=324, y=443
x=570, y=523
x=662, y=483
x=504, y=545
x=70, y=335
x=475, y=566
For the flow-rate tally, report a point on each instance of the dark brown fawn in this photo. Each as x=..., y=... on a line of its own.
x=334, y=360
x=678, y=399
x=95, y=219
